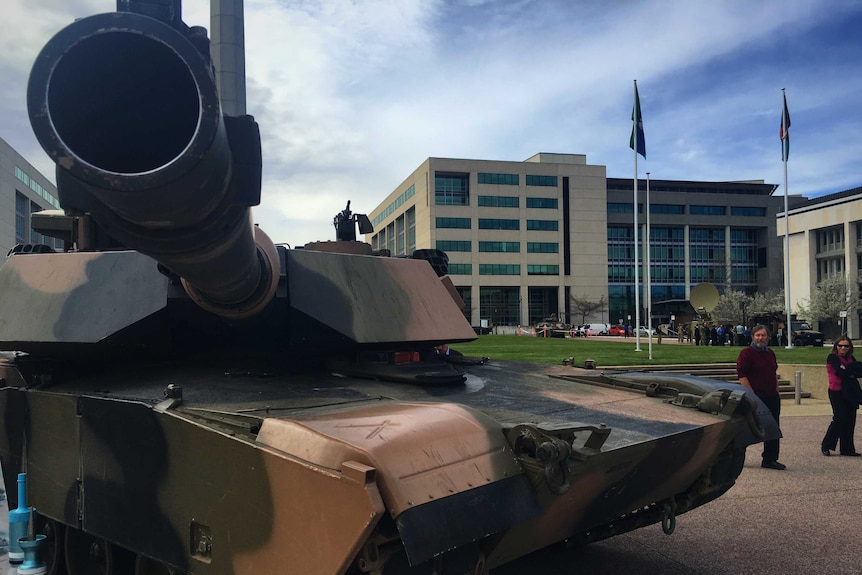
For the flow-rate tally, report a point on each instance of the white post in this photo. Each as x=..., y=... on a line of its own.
x=785, y=152
x=637, y=255
x=648, y=271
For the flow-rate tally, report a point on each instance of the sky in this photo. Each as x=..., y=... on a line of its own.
x=353, y=95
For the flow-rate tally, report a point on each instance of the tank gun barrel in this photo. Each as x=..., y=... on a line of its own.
x=127, y=107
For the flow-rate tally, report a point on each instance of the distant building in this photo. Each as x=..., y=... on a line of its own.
x=825, y=236
x=23, y=190
x=523, y=238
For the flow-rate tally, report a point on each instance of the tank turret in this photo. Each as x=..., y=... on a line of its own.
x=187, y=397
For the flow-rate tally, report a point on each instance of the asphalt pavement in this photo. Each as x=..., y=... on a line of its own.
x=804, y=520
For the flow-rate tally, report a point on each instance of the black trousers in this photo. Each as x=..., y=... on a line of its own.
x=770, y=448
x=843, y=424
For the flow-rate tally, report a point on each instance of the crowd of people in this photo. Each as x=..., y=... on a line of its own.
x=716, y=334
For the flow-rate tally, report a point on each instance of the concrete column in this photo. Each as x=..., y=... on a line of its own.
x=728, y=275
x=852, y=274
x=687, y=256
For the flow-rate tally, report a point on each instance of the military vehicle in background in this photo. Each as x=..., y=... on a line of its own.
x=553, y=327
x=187, y=397
x=802, y=335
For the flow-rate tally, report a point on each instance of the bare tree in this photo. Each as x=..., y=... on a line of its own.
x=585, y=307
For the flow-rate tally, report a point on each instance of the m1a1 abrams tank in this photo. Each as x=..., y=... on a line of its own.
x=186, y=397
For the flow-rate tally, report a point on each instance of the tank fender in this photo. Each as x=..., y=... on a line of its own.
x=436, y=463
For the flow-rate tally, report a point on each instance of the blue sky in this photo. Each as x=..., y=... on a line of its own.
x=353, y=95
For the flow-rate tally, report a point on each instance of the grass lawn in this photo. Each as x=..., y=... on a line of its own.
x=619, y=352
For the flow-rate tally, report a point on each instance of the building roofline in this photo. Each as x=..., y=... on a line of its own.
x=836, y=198
x=757, y=187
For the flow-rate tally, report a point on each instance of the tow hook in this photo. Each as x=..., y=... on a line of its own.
x=668, y=516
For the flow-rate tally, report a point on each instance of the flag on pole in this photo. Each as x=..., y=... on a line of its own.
x=784, y=133
x=638, y=127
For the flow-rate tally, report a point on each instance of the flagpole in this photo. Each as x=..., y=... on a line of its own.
x=648, y=270
x=785, y=153
x=637, y=255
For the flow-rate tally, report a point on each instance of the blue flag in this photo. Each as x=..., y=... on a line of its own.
x=637, y=127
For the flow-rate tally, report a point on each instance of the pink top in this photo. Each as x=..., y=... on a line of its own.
x=834, y=378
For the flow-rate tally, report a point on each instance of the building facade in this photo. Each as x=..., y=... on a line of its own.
x=700, y=232
x=526, y=238
x=825, y=238
x=23, y=190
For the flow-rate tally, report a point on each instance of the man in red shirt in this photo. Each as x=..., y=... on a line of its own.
x=757, y=370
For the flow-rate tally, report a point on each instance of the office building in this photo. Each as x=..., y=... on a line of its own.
x=23, y=190
x=525, y=238
x=825, y=236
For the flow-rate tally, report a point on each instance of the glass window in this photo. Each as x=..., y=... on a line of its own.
x=500, y=305
x=453, y=223
x=460, y=269
x=454, y=245
x=543, y=225
x=619, y=232
x=502, y=179
x=22, y=209
x=666, y=209
x=499, y=269
x=623, y=208
x=466, y=296
x=396, y=203
x=499, y=201
x=390, y=234
x=36, y=187
x=550, y=203
x=543, y=247
x=542, y=181
x=543, y=270
x=399, y=235
x=500, y=247
x=747, y=211
x=706, y=210
x=452, y=190
x=35, y=237
x=498, y=224
x=411, y=230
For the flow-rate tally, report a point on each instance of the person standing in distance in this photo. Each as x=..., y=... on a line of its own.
x=757, y=370
x=844, y=397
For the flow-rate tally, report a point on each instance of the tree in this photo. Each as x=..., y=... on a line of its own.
x=585, y=307
x=770, y=302
x=731, y=308
x=832, y=296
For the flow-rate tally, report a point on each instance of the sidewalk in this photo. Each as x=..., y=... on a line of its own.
x=808, y=406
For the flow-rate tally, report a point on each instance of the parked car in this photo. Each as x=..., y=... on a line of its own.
x=644, y=330
x=617, y=330
x=594, y=329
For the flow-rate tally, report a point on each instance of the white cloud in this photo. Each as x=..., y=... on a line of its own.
x=352, y=96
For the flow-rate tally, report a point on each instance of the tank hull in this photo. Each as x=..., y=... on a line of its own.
x=320, y=473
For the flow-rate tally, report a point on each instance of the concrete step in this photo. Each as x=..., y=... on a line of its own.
x=792, y=394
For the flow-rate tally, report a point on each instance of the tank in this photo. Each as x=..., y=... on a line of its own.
x=184, y=396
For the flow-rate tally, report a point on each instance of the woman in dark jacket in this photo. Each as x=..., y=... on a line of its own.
x=844, y=395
